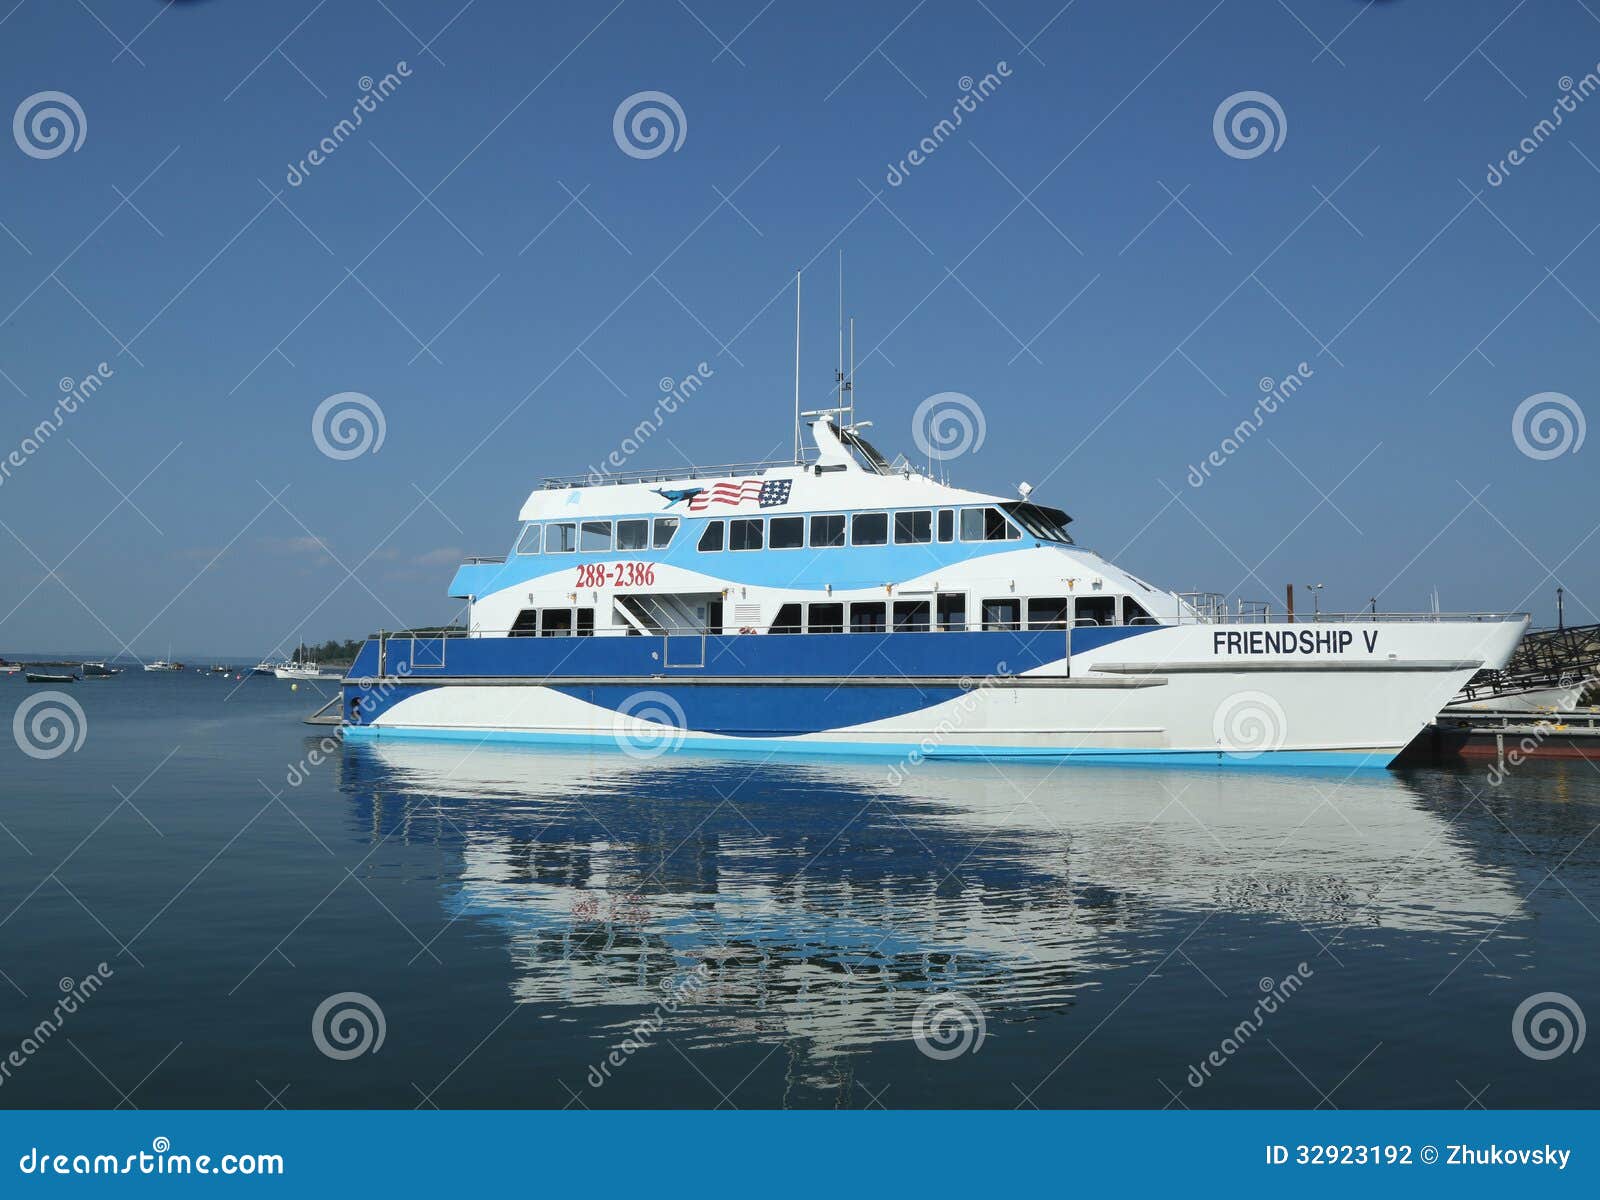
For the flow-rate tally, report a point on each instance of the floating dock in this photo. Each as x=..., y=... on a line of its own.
x=1496, y=736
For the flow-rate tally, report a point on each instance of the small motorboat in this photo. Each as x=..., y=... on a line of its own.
x=50, y=677
x=9, y=668
x=162, y=664
x=99, y=670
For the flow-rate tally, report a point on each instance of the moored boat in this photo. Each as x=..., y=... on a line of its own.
x=50, y=677
x=99, y=670
x=838, y=602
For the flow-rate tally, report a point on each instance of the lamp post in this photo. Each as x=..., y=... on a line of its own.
x=1316, y=600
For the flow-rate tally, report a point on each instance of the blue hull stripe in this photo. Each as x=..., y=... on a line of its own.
x=773, y=710
x=745, y=747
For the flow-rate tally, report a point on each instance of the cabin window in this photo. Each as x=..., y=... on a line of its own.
x=1049, y=612
x=952, y=611
x=744, y=533
x=560, y=538
x=827, y=531
x=986, y=525
x=786, y=533
x=1133, y=613
x=633, y=535
x=868, y=616
x=913, y=527
x=662, y=533
x=825, y=618
x=1096, y=610
x=947, y=524
x=555, y=622
x=869, y=529
x=787, y=620
x=1002, y=614
x=586, y=622
x=711, y=537
x=527, y=622
x=911, y=616
x=595, y=537
x=528, y=543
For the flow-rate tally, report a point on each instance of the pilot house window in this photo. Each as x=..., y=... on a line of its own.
x=827, y=531
x=560, y=538
x=596, y=537
x=632, y=535
x=869, y=529
x=744, y=533
x=786, y=533
x=913, y=527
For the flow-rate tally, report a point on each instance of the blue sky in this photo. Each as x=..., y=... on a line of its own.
x=482, y=260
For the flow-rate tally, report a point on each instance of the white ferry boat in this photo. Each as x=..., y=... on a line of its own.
x=840, y=603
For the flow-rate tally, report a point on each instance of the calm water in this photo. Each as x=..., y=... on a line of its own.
x=775, y=928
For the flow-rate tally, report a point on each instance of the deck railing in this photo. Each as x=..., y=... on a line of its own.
x=665, y=475
x=1212, y=608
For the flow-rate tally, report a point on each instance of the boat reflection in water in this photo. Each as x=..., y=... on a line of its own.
x=822, y=903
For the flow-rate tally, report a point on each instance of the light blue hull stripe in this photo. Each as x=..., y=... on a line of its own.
x=747, y=747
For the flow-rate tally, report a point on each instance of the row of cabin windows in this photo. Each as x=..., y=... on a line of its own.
x=596, y=537
x=554, y=622
x=947, y=611
x=915, y=527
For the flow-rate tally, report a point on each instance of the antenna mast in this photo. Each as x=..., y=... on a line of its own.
x=850, y=383
x=838, y=375
x=797, y=367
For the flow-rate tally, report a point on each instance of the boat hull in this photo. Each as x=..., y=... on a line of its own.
x=1350, y=696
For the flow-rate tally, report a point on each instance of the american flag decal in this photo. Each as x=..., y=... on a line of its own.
x=769, y=493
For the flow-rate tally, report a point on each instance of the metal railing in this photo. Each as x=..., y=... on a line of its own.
x=1212, y=608
x=665, y=475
